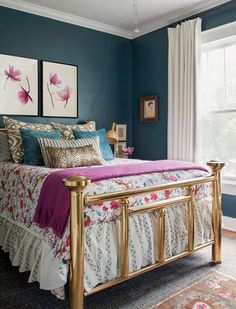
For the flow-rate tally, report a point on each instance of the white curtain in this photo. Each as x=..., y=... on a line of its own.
x=184, y=64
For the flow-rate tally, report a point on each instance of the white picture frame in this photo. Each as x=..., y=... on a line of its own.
x=60, y=90
x=18, y=86
x=119, y=149
x=121, y=130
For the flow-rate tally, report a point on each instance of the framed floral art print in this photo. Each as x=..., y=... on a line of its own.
x=18, y=86
x=59, y=87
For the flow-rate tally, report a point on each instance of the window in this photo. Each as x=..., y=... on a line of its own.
x=217, y=107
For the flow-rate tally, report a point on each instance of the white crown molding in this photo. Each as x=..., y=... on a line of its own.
x=27, y=7
x=166, y=20
x=177, y=16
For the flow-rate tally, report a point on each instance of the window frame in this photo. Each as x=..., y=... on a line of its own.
x=212, y=39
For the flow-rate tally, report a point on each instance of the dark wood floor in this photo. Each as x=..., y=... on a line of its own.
x=229, y=233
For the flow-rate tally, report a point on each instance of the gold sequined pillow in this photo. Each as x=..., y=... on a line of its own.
x=73, y=157
x=67, y=129
x=14, y=136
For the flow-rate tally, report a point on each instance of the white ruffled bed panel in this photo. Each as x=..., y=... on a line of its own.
x=31, y=253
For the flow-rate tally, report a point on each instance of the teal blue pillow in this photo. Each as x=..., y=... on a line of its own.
x=107, y=153
x=32, y=151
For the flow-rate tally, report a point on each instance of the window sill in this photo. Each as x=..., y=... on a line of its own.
x=229, y=185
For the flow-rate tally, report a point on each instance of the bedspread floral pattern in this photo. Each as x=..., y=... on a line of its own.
x=20, y=187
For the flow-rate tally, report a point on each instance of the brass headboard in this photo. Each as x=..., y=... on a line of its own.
x=3, y=130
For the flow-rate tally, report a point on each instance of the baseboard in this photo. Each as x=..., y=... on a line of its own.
x=229, y=223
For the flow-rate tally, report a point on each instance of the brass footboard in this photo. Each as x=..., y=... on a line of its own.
x=77, y=184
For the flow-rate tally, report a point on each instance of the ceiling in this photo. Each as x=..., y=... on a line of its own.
x=115, y=16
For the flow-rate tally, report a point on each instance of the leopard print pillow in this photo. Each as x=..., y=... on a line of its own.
x=73, y=157
x=14, y=136
x=67, y=129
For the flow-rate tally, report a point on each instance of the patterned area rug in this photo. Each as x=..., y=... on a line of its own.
x=213, y=292
x=138, y=293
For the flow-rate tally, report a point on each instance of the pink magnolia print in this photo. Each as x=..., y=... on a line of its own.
x=54, y=80
x=14, y=75
x=23, y=94
x=62, y=94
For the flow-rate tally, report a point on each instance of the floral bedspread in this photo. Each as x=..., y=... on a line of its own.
x=20, y=187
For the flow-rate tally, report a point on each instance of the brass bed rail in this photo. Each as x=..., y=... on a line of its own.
x=77, y=185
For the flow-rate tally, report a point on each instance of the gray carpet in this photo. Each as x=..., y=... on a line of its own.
x=16, y=293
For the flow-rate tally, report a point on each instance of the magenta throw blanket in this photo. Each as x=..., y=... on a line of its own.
x=53, y=207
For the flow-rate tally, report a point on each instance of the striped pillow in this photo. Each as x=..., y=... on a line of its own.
x=44, y=143
x=5, y=154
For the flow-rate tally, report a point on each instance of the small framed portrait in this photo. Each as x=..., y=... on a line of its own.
x=120, y=149
x=121, y=132
x=149, y=108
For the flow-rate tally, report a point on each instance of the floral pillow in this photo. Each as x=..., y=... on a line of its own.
x=14, y=136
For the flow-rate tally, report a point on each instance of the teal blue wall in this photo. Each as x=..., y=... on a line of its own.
x=104, y=62
x=113, y=72
x=150, y=76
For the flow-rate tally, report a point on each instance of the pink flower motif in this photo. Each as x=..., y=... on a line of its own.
x=54, y=80
x=129, y=151
x=212, y=284
x=154, y=196
x=114, y=204
x=13, y=74
x=24, y=96
x=64, y=94
x=224, y=294
x=87, y=221
x=201, y=305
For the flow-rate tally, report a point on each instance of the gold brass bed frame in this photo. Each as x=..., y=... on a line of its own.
x=77, y=185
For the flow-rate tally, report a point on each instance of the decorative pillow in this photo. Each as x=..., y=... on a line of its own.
x=73, y=157
x=104, y=145
x=66, y=129
x=14, y=137
x=5, y=154
x=61, y=143
x=32, y=151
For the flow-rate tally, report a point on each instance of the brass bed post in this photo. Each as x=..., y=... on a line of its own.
x=124, y=252
x=216, y=209
x=191, y=215
x=76, y=185
x=161, y=232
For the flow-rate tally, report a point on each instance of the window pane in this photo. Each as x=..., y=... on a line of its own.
x=230, y=63
x=217, y=131
x=213, y=80
x=218, y=139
